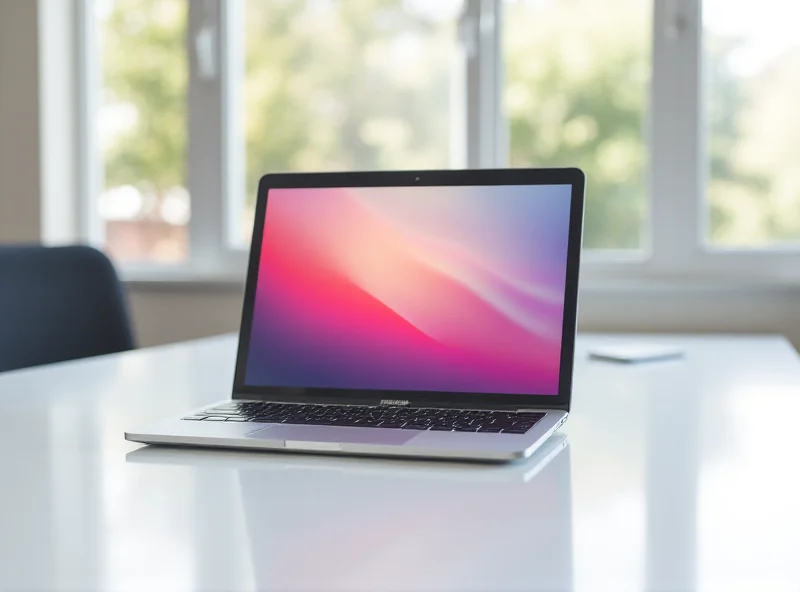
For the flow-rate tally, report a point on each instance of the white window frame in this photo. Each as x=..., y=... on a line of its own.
x=674, y=250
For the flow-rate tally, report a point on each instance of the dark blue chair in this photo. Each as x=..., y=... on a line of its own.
x=57, y=304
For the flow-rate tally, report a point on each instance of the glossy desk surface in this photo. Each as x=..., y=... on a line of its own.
x=680, y=475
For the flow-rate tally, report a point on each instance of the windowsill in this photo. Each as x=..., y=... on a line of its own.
x=183, y=279
x=186, y=279
x=687, y=285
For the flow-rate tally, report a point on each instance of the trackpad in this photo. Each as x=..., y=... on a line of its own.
x=334, y=434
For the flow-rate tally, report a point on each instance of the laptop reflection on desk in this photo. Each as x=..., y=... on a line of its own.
x=415, y=526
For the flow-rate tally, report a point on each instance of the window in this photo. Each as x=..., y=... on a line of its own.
x=753, y=64
x=143, y=209
x=576, y=90
x=345, y=86
x=681, y=114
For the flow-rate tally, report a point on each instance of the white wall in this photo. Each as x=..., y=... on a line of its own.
x=700, y=309
x=176, y=313
x=165, y=313
x=19, y=122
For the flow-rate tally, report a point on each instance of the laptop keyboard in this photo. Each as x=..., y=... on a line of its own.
x=402, y=418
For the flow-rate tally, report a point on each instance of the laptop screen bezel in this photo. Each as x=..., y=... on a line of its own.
x=565, y=176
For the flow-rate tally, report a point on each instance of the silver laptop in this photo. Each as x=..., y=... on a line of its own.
x=415, y=313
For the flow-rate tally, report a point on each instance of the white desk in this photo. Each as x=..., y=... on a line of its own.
x=679, y=475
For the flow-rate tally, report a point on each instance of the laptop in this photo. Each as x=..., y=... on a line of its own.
x=412, y=313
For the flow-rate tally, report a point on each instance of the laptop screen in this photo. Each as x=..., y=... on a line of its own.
x=446, y=289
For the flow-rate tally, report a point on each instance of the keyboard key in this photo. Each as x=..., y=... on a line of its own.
x=194, y=417
x=369, y=423
x=441, y=428
x=490, y=429
x=466, y=424
x=342, y=422
x=215, y=418
x=392, y=424
x=308, y=421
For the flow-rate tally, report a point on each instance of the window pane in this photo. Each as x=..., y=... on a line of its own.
x=752, y=53
x=347, y=85
x=577, y=80
x=144, y=206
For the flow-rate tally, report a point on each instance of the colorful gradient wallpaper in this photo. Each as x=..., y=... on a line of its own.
x=457, y=289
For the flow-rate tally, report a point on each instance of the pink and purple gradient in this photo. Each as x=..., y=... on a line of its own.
x=457, y=289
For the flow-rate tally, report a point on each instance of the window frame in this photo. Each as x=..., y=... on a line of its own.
x=674, y=249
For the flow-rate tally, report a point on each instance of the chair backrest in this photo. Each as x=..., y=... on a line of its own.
x=57, y=304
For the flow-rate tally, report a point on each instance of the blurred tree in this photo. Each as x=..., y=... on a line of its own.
x=145, y=75
x=142, y=127
x=577, y=76
x=345, y=85
x=368, y=85
x=754, y=184
x=771, y=130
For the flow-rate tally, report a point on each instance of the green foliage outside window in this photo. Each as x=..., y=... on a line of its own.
x=323, y=93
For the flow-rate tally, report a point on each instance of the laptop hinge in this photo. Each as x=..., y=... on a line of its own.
x=397, y=403
x=536, y=409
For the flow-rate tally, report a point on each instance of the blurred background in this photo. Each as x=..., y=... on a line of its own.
x=370, y=85
x=143, y=126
